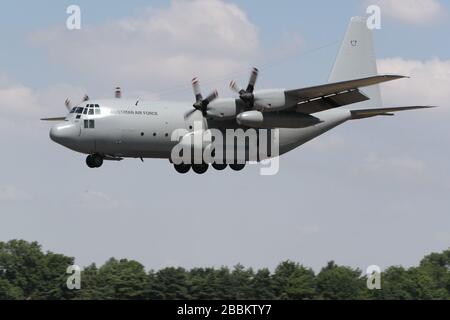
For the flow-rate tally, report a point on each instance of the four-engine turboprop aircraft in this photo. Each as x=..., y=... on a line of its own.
x=116, y=129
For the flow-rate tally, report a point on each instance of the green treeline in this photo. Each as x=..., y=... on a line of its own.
x=26, y=272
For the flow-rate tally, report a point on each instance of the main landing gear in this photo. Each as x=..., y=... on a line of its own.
x=94, y=161
x=203, y=168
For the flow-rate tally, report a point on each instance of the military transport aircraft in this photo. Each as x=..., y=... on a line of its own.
x=115, y=129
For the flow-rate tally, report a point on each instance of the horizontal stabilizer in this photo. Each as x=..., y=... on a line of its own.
x=368, y=113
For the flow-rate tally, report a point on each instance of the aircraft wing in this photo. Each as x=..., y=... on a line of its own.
x=333, y=95
x=54, y=119
x=368, y=113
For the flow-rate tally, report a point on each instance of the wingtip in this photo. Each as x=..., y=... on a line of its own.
x=395, y=76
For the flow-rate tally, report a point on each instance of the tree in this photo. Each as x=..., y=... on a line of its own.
x=89, y=284
x=263, y=285
x=293, y=281
x=301, y=284
x=9, y=291
x=436, y=268
x=241, y=282
x=170, y=284
x=397, y=284
x=340, y=283
x=26, y=272
x=201, y=283
x=39, y=276
x=124, y=279
x=222, y=284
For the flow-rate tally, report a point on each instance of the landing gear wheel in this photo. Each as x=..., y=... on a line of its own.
x=90, y=162
x=237, y=167
x=98, y=160
x=94, y=161
x=200, y=168
x=182, y=168
x=219, y=167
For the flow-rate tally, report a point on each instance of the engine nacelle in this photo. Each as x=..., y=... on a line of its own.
x=222, y=109
x=260, y=120
x=272, y=99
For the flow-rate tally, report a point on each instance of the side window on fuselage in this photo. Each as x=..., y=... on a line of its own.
x=89, y=124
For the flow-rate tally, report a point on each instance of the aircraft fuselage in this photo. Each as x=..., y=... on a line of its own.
x=144, y=129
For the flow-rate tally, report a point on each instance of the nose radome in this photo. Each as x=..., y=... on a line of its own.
x=61, y=133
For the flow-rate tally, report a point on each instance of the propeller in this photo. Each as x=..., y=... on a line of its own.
x=247, y=95
x=200, y=103
x=68, y=102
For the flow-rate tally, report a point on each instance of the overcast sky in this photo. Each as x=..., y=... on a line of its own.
x=369, y=192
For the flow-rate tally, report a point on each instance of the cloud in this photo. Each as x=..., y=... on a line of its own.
x=327, y=143
x=22, y=107
x=100, y=199
x=9, y=194
x=159, y=47
x=396, y=166
x=429, y=83
x=20, y=104
x=23, y=101
x=412, y=11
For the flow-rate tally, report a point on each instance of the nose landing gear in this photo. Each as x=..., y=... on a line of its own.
x=94, y=161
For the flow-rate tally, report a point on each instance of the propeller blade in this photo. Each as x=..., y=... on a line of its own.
x=234, y=87
x=68, y=104
x=197, y=92
x=188, y=114
x=213, y=96
x=85, y=98
x=252, y=82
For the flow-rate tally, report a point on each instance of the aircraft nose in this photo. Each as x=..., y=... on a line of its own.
x=61, y=133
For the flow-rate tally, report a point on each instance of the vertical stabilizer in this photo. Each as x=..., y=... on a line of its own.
x=356, y=59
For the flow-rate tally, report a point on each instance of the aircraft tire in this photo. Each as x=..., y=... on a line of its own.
x=98, y=160
x=94, y=161
x=219, y=167
x=182, y=168
x=237, y=167
x=200, y=168
x=90, y=162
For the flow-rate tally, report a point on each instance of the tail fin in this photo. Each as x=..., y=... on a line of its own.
x=356, y=59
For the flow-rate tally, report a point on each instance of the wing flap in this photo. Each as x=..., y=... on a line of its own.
x=306, y=94
x=331, y=101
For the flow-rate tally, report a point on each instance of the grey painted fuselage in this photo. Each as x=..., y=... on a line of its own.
x=125, y=128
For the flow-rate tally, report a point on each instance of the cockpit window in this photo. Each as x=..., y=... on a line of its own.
x=85, y=111
x=97, y=109
x=73, y=110
x=91, y=111
x=79, y=110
